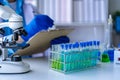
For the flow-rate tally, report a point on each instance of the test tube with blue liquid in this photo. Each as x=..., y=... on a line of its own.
x=80, y=55
x=77, y=55
x=74, y=55
x=98, y=52
x=91, y=51
x=84, y=55
x=88, y=54
x=95, y=52
x=66, y=53
x=66, y=57
x=62, y=52
x=71, y=52
x=70, y=55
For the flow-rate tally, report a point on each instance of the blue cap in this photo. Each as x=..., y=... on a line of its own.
x=73, y=45
x=98, y=43
x=76, y=45
x=87, y=43
x=70, y=46
x=66, y=46
x=62, y=46
x=94, y=43
x=81, y=44
x=90, y=43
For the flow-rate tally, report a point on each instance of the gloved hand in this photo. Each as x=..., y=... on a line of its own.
x=39, y=23
x=60, y=40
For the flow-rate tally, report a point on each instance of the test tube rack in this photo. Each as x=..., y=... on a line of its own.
x=73, y=57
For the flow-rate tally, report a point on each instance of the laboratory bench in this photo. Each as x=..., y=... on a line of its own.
x=40, y=71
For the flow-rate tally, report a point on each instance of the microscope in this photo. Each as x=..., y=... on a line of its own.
x=12, y=64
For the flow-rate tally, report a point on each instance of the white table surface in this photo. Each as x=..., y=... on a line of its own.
x=41, y=71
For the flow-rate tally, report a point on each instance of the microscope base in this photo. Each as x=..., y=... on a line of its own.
x=14, y=67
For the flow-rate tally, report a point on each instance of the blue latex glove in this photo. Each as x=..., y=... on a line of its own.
x=60, y=40
x=39, y=23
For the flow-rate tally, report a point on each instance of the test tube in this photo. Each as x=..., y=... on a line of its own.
x=94, y=53
x=91, y=51
x=77, y=55
x=81, y=55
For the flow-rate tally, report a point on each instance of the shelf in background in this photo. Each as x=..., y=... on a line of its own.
x=77, y=24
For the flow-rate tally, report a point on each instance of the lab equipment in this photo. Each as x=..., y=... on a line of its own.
x=13, y=64
x=108, y=33
x=70, y=57
x=105, y=57
x=111, y=54
x=117, y=57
